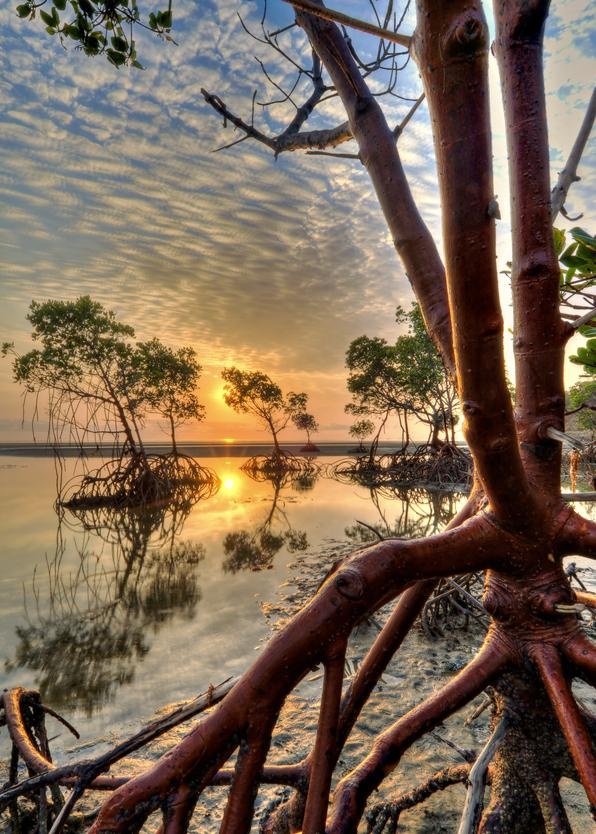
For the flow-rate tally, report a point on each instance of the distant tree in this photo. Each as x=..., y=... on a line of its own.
x=169, y=383
x=306, y=422
x=407, y=378
x=582, y=400
x=85, y=365
x=253, y=392
x=100, y=384
x=98, y=380
x=360, y=430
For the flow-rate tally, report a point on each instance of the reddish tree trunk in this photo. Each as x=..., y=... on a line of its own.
x=515, y=526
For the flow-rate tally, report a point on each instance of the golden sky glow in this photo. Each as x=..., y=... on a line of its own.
x=110, y=187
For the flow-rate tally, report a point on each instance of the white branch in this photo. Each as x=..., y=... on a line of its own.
x=569, y=173
x=477, y=780
x=313, y=8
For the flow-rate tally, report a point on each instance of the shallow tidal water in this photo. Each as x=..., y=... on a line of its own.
x=114, y=616
x=111, y=615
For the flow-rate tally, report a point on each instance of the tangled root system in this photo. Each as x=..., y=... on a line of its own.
x=446, y=468
x=140, y=480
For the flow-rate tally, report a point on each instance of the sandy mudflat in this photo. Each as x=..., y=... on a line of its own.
x=420, y=667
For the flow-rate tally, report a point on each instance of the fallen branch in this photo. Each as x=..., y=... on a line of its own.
x=472, y=810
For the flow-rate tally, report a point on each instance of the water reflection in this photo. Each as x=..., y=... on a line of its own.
x=254, y=549
x=420, y=513
x=87, y=628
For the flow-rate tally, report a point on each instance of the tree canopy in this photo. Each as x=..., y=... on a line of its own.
x=253, y=392
x=407, y=378
x=99, y=382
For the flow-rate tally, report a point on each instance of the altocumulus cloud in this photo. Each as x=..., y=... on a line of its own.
x=110, y=187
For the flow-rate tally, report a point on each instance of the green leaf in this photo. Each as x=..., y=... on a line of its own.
x=573, y=261
x=120, y=44
x=583, y=237
x=588, y=331
x=559, y=240
x=166, y=19
x=87, y=7
x=72, y=32
x=24, y=10
x=47, y=18
x=116, y=58
x=60, y=4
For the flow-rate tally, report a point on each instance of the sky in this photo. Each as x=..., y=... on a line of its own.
x=110, y=187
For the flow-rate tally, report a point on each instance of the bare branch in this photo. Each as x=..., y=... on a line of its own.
x=585, y=319
x=228, y=116
x=477, y=780
x=285, y=141
x=345, y=19
x=569, y=173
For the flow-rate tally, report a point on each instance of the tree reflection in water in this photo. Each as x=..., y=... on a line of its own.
x=86, y=636
x=420, y=513
x=455, y=602
x=255, y=549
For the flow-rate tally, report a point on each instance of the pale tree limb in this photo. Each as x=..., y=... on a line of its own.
x=472, y=810
x=353, y=22
x=569, y=173
x=585, y=319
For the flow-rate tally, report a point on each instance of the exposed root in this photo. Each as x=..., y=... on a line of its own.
x=455, y=603
x=384, y=817
x=281, y=466
x=140, y=480
x=446, y=468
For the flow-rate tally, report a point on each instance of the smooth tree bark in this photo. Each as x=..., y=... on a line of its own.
x=514, y=526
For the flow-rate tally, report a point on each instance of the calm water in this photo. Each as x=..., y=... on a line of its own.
x=113, y=615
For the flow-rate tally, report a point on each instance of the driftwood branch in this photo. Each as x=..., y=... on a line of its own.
x=70, y=774
x=472, y=810
x=389, y=812
x=569, y=173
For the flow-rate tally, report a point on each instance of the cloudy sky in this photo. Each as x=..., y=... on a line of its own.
x=110, y=187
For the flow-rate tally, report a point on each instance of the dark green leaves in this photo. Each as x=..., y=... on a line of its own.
x=99, y=26
x=578, y=277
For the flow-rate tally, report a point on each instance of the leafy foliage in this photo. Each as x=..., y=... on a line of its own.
x=582, y=398
x=99, y=27
x=578, y=276
x=253, y=392
x=407, y=377
x=305, y=422
x=99, y=382
x=170, y=379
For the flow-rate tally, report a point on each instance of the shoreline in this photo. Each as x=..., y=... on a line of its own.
x=195, y=449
